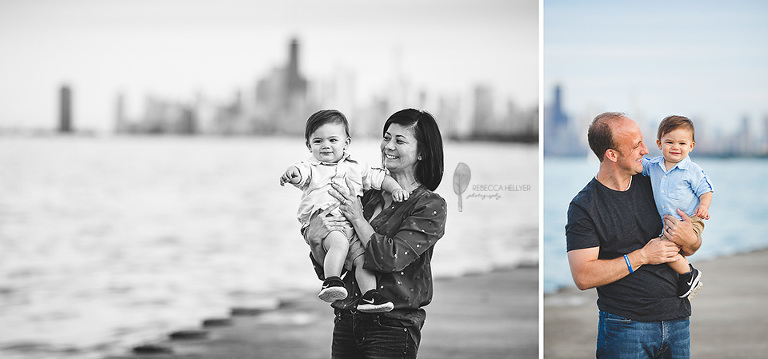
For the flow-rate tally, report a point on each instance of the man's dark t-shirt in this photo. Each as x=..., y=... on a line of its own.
x=620, y=222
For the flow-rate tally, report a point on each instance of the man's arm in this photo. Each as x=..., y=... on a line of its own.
x=681, y=232
x=589, y=272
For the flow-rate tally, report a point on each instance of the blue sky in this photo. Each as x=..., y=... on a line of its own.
x=177, y=47
x=704, y=59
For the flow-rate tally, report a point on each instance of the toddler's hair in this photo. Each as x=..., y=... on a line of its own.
x=671, y=123
x=323, y=117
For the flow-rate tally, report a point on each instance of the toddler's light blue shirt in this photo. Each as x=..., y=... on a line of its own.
x=680, y=187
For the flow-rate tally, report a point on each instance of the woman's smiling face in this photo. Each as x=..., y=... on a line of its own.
x=399, y=148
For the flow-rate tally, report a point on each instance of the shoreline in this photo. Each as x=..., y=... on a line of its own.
x=568, y=288
x=729, y=314
x=490, y=315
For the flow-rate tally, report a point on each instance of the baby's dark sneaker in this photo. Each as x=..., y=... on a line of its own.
x=373, y=302
x=689, y=284
x=332, y=290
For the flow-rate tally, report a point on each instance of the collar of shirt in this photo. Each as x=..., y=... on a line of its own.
x=344, y=157
x=681, y=165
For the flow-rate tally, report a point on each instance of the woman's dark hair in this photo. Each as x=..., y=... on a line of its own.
x=323, y=117
x=429, y=171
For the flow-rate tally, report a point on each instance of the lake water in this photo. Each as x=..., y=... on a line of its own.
x=109, y=242
x=738, y=211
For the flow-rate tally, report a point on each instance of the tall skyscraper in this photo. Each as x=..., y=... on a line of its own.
x=295, y=83
x=483, y=111
x=561, y=137
x=121, y=122
x=65, y=109
x=559, y=118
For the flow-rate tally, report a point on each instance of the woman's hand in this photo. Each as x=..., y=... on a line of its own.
x=350, y=204
x=352, y=209
x=320, y=224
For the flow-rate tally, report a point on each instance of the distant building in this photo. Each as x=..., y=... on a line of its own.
x=763, y=146
x=561, y=135
x=483, y=114
x=281, y=97
x=296, y=84
x=65, y=109
x=452, y=123
x=505, y=124
x=558, y=116
x=121, y=121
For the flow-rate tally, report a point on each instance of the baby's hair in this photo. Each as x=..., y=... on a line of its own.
x=323, y=117
x=671, y=123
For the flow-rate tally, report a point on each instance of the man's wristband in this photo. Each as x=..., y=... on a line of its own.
x=628, y=265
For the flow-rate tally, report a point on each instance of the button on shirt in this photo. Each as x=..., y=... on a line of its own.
x=680, y=187
x=400, y=252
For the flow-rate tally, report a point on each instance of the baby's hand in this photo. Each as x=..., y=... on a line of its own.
x=291, y=175
x=702, y=212
x=400, y=195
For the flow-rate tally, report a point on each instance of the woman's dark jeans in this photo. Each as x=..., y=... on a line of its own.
x=372, y=336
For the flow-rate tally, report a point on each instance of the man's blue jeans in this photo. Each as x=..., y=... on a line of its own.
x=372, y=336
x=619, y=337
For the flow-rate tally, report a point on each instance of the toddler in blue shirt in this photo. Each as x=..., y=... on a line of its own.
x=680, y=183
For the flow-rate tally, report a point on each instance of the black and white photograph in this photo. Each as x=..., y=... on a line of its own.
x=269, y=179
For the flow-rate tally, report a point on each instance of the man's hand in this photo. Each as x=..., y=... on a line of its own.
x=658, y=251
x=681, y=232
x=589, y=272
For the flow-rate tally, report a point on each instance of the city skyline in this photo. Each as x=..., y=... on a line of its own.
x=704, y=59
x=565, y=134
x=178, y=49
x=283, y=98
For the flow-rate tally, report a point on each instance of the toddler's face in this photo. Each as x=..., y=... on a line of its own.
x=328, y=142
x=676, y=144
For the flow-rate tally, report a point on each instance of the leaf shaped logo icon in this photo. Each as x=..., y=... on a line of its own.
x=461, y=177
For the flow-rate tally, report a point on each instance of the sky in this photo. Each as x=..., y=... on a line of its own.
x=707, y=60
x=176, y=48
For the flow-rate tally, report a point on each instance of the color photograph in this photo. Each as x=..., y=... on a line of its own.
x=655, y=145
